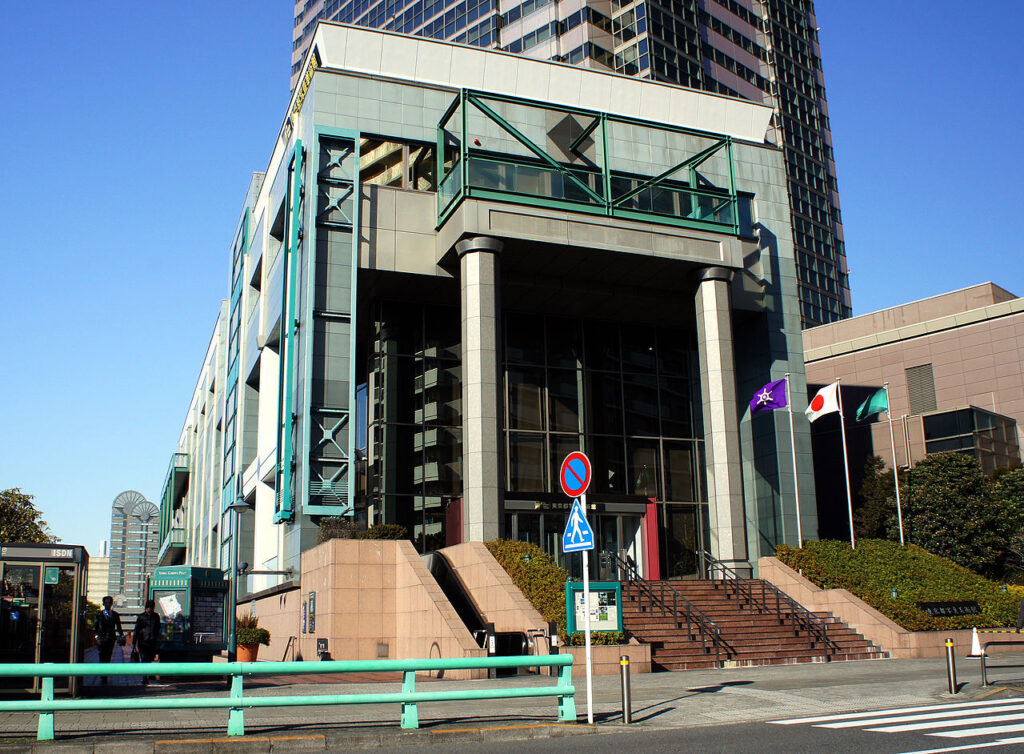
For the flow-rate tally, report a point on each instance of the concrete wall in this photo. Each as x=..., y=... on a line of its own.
x=893, y=638
x=374, y=600
x=496, y=596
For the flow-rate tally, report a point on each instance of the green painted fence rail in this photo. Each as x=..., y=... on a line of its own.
x=236, y=702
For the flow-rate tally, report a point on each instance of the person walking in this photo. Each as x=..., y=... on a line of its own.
x=108, y=630
x=146, y=636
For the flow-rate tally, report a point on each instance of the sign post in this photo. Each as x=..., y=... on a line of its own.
x=579, y=537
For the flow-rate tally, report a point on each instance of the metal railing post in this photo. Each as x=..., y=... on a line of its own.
x=566, y=700
x=627, y=698
x=984, y=670
x=45, y=731
x=236, y=717
x=410, y=713
x=951, y=666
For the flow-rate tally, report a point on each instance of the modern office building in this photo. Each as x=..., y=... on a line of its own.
x=954, y=364
x=460, y=265
x=762, y=50
x=134, y=543
x=99, y=574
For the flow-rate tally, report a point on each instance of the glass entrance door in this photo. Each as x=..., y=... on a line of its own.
x=682, y=541
x=19, y=618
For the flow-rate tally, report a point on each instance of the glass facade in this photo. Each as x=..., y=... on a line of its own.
x=414, y=447
x=990, y=438
x=766, y=51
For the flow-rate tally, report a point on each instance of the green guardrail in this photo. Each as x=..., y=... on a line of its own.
x=236, y=702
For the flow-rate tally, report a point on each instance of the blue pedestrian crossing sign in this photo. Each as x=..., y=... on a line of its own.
x=578, y=535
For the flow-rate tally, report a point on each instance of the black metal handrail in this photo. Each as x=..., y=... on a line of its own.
x=767, y=598
x=670, y=602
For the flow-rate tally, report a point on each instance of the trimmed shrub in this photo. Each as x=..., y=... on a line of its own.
x=336, y=527
x=384, y=531
x=578, y=639
x=876, y=567
x=541, y=580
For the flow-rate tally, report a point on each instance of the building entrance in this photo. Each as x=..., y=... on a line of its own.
x=615, y=534
x=42, y=607
x=682, y=540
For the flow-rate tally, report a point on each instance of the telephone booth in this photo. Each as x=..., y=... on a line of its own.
x=42, y=608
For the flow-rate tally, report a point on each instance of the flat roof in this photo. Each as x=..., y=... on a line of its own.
x=391, y=55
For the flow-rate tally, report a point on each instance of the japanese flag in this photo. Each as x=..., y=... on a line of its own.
x=825, y=402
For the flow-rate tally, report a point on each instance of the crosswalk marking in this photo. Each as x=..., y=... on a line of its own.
x=993, y=731
x=967, y=747
x=996, y=720
x=926, y=716
x=944, y=723
x=884, y=712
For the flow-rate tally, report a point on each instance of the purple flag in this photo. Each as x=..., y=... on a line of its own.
x=770, y=397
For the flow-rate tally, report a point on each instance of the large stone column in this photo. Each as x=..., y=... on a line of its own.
x=482, y=478
x=721, y=424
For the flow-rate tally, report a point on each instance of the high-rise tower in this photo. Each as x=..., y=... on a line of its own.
x=762, y=50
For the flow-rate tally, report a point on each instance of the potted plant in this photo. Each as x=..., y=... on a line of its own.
x=249, y=636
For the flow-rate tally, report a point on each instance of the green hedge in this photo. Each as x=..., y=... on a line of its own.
x=876, y=566
x=542, y=581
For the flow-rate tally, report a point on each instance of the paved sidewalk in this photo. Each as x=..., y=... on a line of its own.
x=660, y=700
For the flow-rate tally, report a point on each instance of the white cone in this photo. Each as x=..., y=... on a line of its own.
x=975, y=644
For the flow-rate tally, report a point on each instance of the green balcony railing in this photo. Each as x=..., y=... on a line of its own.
x=512, y=150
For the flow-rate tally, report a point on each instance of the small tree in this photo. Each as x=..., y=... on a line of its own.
x=949, y=510
x=19, y=519
x=876, y=516
x=1008, y=493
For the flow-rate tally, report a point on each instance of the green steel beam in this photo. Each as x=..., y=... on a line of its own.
x=586, y=132
x=525, y=141
x=285, y=505
x=693, y=161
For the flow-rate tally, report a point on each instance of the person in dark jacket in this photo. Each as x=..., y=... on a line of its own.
x=146, y=636
x=108, y=630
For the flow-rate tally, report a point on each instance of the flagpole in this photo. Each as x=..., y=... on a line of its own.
x=846, y=463
x=895, y=468
x=796, y=481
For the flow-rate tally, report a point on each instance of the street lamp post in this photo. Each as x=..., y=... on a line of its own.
x=236, y=509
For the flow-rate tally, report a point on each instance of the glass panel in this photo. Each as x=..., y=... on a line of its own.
x=602, y=346
x=682, y=541
x=443, y=332
x=674, y=353
x=638, y=349
x=679, y=471
x=524, y=338
x=644, y=475
x=19, y=614
x=604, y=398
x=564, y=398
x=430, y=535
x=526, y=463
x=565, y=343
x=640, y=397
x=526, y=398
x=59, y=611
x=676, y=404
x=529, y=528
x=608, y=464
x=607, y=546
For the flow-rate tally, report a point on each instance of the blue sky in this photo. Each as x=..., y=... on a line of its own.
x=131, y=130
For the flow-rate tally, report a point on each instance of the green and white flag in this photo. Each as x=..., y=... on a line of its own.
x=877, y=402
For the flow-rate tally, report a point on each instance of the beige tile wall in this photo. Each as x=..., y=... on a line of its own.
x=373, y=598
x=980, y=364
